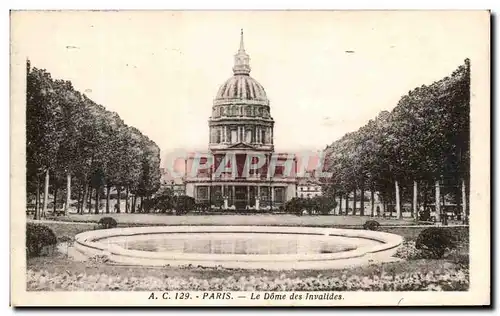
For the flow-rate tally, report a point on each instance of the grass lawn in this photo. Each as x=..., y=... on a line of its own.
x=60, y=266
x=254, y=219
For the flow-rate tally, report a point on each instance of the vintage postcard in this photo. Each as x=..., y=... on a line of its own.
x=250, y=158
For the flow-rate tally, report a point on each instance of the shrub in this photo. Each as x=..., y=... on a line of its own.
x=424, y=215
x=163, y=203
x=323, y=204
x=107, y=222
x=371, y=225
x=39, y=238
x=295, y=206
x=183, y=204
x=435, y=241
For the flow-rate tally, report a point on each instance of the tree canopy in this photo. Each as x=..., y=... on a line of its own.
x=424, y=138
x=68, y=133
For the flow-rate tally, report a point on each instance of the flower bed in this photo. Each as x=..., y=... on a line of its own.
x=453, y=279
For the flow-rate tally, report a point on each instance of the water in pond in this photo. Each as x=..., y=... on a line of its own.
x=238, y=243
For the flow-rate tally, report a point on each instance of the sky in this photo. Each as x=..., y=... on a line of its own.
x=326, y=73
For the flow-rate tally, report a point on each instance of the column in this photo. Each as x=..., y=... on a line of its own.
x=243, y=134
x=224, y=196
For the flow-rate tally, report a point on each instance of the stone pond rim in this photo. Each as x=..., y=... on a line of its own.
x=91, y=243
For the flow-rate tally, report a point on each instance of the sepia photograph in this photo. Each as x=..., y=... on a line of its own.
x=250, y=158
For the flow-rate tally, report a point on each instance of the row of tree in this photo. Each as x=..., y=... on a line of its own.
x=76, y=148
x=418, y=153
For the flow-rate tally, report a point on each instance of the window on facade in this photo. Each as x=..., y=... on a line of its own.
x=234, y=136
x=279, y=194
x=263, y=136
x=264, y=193
x=202, y=193
x=218, y=136
x=248, y=137
x=279, y=170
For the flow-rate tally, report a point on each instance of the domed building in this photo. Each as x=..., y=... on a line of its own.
x=244, y=172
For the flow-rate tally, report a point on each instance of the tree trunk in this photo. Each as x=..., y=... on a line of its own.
x=425, y=197
x=127, y=202
x=372, y=200
x=78, y=201
x=84, y=198
x=464, y=202
x=438, y=202
x=340, y=204
x=443, y=201
x=414, y=209
x=398, y=205
x=362, y=196
x=55, y=199
x=134, y=200
x=37, y=199
x=68, y=193
x=46, y=193
x=118, y=198
x=97, y=200
x=141, y=206
x=91, y=190
x=347, y=204
x=354, y=203
x=108, y=188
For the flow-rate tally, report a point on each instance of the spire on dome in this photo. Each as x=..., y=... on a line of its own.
x=242, y=47
x=241, y=60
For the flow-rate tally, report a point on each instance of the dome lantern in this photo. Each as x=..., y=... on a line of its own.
x=241, y=60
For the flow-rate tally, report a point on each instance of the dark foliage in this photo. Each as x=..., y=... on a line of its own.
x=38, y=237
x=425, y=215
x=296, y=206
x=107, y=222
x=183, y=204
x=371, y=225
x=435, y=241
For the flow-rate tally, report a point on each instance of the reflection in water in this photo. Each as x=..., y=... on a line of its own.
x=236, y=243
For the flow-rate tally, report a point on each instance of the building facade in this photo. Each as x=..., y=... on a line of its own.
x=309, y=189
x=241, y=135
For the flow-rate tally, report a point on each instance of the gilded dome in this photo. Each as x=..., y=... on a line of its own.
x=241, y=87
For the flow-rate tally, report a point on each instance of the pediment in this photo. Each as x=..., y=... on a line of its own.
x=241, y=146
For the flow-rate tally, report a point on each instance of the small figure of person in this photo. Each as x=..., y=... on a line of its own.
x=117, y=208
